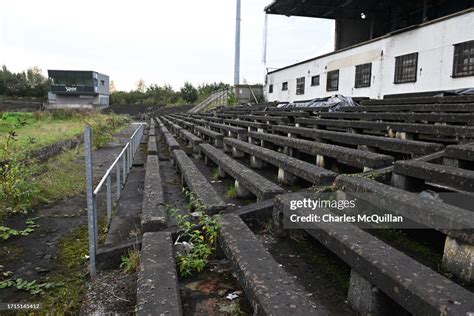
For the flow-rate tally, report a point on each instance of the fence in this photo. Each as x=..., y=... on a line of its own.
x=122, y=165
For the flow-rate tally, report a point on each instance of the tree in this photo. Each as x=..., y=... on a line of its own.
x=189, y=93
x=112, y=88
x=141, y=85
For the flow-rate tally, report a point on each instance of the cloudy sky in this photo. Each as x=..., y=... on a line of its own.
x=158, y=41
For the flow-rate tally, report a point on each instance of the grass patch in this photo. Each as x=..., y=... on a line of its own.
x=231, y=192
x=215, y=174
x=131, y=261
x=39, y=129
x=71, y=272
x=24, y=184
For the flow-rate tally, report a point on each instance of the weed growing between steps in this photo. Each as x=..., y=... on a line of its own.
x=131, y=261
x=198, y=237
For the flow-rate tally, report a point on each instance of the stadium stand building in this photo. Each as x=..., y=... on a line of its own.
x=77, y=89
x=382, y=49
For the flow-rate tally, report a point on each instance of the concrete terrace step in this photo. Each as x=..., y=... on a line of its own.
x=205, y=132
x=153, y=208
x=403, y=117
x=429, y=129
x=158, y=290
x=453, y=177
x=420, y=100
x=268, y=287
x=246, y=179
x=384, y=143
x=462, y=152
x=197, y=183
x=353, y=157
x=457, y=107
x=296, y=167
x=428, y=212
x=418, y=289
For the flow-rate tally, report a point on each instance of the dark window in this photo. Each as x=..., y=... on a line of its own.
x=332, y=83
x=102, y=82
x=315, y=80
x=284, y=86
x=363, y=74
x=270, y=88
x=463, y=64
x=300, y=85
x=405, y=68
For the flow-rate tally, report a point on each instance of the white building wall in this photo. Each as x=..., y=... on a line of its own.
x=433, y=41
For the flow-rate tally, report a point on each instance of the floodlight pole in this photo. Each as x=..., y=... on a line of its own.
x=237, y=46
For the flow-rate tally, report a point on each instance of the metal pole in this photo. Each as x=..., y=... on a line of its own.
x=237, y=46
x=124, y=166
x=109, y=199
x=119, y=184
x=90, y=200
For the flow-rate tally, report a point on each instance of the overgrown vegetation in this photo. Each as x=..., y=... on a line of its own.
x=6, y=233
x=71, y=271
x=231, y=192
x=131, y=261
x=198, y=238
x=23, y=182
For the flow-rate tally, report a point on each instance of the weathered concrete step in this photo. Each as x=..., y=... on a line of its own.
x=171, y=142
x=278, y=119
x=197, y=183
x=457, y=107
x=247, y=124
x=295, y=167
x=232, y=131
x=205, y=132
x=152, y=148
x=428, y=212
x=453, y=177
x=384, y=143
x=267, y=286
x=246, y=179
x=349, y=156
x=415, y=287
x=157, y=288
x=153, y=207
x=403, y=117
x=463, y=152
x=429, y=129
x=420, y=100
x=282, y=113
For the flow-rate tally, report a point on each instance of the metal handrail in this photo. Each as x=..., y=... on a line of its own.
x=122, y=164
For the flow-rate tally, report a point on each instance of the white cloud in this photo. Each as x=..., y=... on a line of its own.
x=159, y=41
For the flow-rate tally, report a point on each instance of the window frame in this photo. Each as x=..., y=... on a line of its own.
x=459, y=55
x=284, y=86
x=270, y=88
x=362, y=72
x=401, y=67
x=300, y=86
x=329, y=79
x=313, y=84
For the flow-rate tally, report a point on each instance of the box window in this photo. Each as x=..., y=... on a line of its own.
x=405, y=68
x=362, y=75
x=300, y=86
x=332, y=83
x=284, y=86
x=315, y=80
x=463, y=64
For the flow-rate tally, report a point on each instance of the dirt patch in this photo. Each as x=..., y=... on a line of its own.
x=110, y=292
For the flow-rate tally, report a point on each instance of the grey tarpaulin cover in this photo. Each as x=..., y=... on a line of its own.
x=332, y=103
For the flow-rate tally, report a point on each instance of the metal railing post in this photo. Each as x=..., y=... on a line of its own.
x=124, y=167
x=109, y=199
x=119, y=182
x=90, y=200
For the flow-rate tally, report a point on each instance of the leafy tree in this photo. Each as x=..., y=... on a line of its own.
x=189, y=93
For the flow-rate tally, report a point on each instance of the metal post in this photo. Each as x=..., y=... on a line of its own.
x=109, y=199
x=237, y=46
x=124, y=167
x=119, y=183
x=92, y=228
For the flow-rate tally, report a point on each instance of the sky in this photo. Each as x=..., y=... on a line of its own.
x=161, y=42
